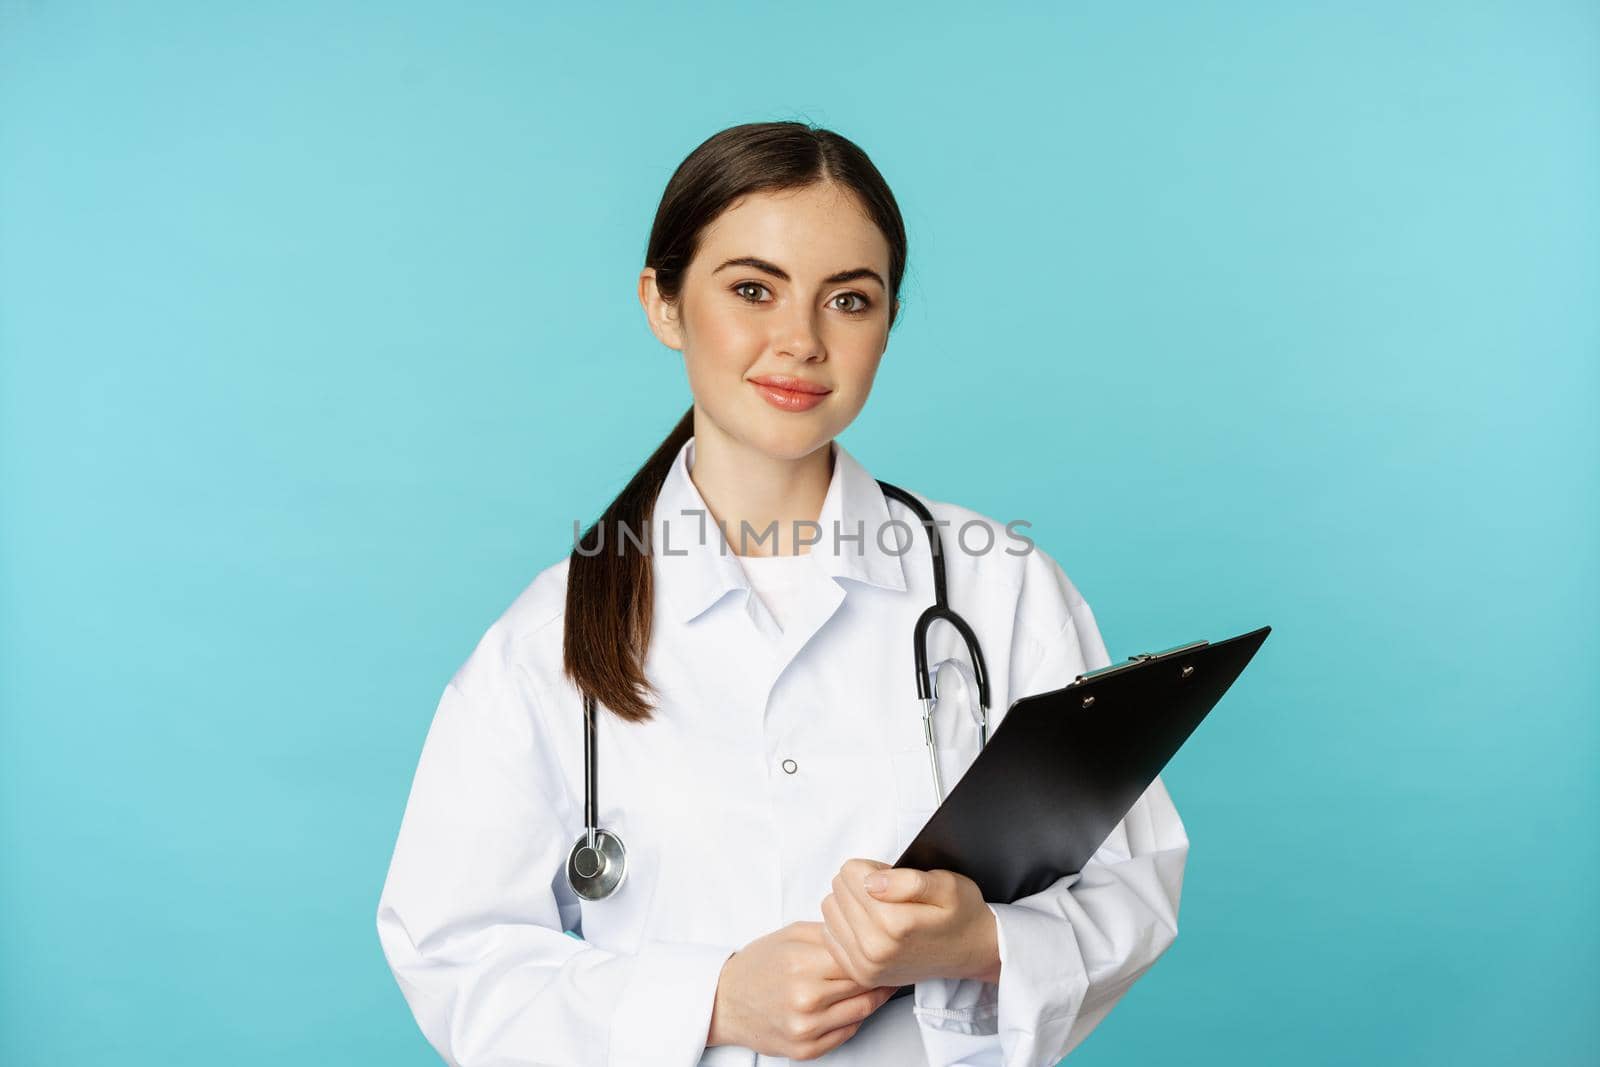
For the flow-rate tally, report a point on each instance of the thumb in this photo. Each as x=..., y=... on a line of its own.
x=898, y=885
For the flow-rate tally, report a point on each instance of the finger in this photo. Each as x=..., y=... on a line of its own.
x=857, y=906
x=834, y=982
x=827, y=1043
x=842, y=939
x=853, y=1010
x=901, y=885
x=855, y=871
x=857, y=1009
x=825, y=962
x=870, y=923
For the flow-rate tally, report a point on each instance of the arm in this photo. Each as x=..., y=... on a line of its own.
x=472, y=913
x=1069, y=952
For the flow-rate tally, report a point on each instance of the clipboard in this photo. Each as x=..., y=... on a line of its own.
x=1064, y=767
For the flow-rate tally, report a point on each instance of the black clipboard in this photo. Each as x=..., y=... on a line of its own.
x=1065, y=766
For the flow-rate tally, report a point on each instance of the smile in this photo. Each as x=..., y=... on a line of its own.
x=790, y=394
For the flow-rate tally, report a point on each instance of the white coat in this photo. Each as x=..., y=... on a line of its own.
x=772, y=759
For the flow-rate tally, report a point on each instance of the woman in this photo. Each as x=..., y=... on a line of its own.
x=761, y=754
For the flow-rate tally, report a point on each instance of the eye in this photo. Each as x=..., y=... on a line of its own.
x=860, y=309
x=748, y=285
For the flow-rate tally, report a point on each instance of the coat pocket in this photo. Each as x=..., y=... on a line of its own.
x=915, y=796
x=956, y=736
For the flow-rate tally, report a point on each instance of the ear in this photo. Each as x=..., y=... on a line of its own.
x=660, y=313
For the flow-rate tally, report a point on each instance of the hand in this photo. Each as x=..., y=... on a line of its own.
x=783, y=995
x=920, y=924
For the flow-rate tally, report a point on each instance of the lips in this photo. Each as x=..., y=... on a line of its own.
x=791, y=384
x=788, y=393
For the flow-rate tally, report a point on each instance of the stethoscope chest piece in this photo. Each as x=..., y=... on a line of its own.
x=597, y=863
x=596, y=870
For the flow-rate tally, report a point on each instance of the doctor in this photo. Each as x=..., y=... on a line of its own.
x=758, y=737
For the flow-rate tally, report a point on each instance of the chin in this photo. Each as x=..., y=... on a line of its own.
x=793, y=441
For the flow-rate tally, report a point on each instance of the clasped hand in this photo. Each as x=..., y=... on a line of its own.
x=893, y=926
x=807, y=988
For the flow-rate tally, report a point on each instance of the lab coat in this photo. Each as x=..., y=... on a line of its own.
x=773, y=758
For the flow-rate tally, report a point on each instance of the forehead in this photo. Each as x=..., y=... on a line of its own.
x=818, y=229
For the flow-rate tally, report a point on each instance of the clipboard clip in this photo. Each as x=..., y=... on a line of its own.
x=1141, y=659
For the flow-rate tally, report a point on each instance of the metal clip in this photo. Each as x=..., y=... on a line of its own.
x=1140, y=659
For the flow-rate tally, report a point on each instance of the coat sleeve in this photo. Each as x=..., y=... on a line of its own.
x=1069, y=952
x=471, y=916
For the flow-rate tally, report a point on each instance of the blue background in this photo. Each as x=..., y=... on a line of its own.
x=318, y=330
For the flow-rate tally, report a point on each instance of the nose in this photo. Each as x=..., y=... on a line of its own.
x=799, y=338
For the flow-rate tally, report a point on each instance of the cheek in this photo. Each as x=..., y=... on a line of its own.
x=720, y=350
x=724, y=333
x=859, y=347
x=856, y=364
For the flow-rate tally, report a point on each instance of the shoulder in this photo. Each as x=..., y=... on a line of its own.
x=542, y=603
x=526, y=636
x=1009, y=555
x=1005, y=552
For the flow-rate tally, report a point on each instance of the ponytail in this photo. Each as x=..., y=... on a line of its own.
x=610, y=590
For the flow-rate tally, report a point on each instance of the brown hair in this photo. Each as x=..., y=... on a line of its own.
x=610, y=592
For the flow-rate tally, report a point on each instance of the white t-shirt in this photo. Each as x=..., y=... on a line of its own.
x=776, y=580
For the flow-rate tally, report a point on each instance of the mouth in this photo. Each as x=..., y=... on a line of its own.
x=790, y=384
x=788, y=393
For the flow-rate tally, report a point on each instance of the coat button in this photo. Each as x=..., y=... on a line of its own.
x=790, y=766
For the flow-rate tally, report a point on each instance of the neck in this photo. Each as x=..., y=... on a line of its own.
x=741, y=484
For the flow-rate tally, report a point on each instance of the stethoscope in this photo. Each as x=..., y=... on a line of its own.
x=598, y=862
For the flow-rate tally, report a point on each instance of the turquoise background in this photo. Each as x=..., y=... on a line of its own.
x=318, y=330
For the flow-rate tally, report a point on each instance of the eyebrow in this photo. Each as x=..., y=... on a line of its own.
x=778, y=272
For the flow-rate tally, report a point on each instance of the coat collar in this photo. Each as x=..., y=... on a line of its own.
x=694, y=571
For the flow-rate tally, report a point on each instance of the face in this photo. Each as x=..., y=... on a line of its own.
x=785, y=286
